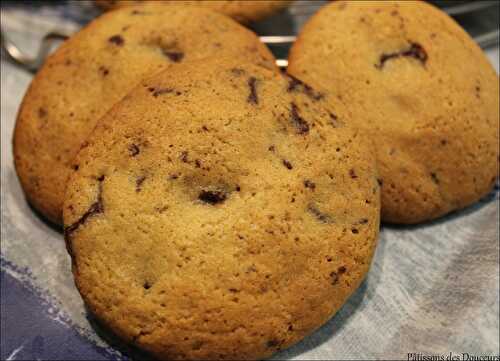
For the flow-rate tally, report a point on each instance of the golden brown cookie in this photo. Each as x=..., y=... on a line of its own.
x=221, y=211
x=241, y=10
x=94, y=69
x=420, y=87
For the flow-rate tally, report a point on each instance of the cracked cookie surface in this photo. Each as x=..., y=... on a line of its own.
x=246, y=234
x=94, y=69
x=420, y=88
x=241, y=10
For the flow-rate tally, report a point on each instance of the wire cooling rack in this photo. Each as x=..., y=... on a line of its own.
x=479, y=17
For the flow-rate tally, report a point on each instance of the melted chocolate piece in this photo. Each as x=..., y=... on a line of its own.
x=133, y=149
x=320, y=216
x=309, y=184
x=252, y=97
x=414, y=51
x=298, y=121
x=117, y=40
x=96, y=208
x=175, y=56
x=287, y=164
x=138, y=183
x=295, y=84
x=212, y=197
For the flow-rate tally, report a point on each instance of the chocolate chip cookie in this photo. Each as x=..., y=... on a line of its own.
x=421, y=88
x=221, y=211
x=94, y=69
x=242, y=11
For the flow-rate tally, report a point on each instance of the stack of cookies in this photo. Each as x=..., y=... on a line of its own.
x=217, y=208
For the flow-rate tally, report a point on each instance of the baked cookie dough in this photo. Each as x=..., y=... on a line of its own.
x=94, y=69
x=241, y=10
x=417, y=85
x=221, y=211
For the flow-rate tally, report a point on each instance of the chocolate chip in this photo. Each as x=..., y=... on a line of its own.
x=295, y=85
x=237, y=71
x=175, y=56
x=297, y=120
x=334, y=278
x=252, y=97
x=96, y=208
x=414, y=51
x=287, y=164
x=309, y=184
x=184, y=156
x=272, y=343
x=103, y=70
x=157, y=92
x=333, y=119
x=138, y=183
x=42, y=113
x=435, y=178
x=117, y=40
x=320, y=216
x=133, y=149
x=212, y=197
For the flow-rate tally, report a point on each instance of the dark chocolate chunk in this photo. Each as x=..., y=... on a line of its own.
x=212, y=197
x=175, y=56
x=252, y=97
x=272, y=343
x=309, y=184
x=297, y=120
x=138, y=183
x=322, y=217
x=237, y=71
x=133, y=149
x=184, y=156
x=117, y=40
x=42, y=113
x=103, y=70
x=414, y=51
x=287, y=164
x=435, y=178
x=157, y=92
x=295, y=85
x=95, y=208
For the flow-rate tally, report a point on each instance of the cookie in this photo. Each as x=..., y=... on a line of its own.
x=242, y=11
x=221, y=211
x=94, y=69
x=417, y=85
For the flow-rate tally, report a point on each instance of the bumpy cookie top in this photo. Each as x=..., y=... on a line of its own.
x=97, y=67
x=221, y=211
x=421, y=88
x=242, y=11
